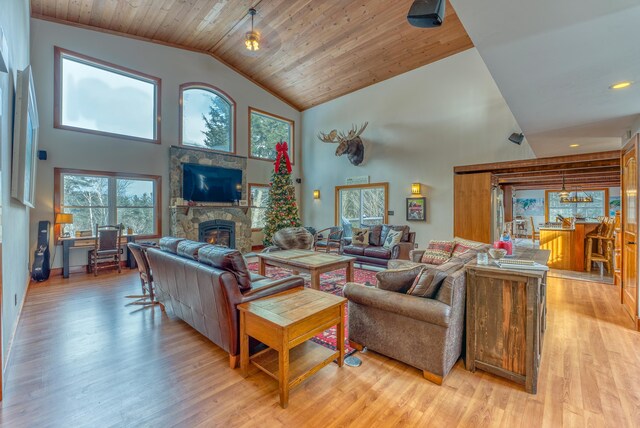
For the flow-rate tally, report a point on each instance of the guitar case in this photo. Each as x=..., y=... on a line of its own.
x=41, y=268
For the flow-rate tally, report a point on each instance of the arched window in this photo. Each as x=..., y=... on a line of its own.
x=207, y=117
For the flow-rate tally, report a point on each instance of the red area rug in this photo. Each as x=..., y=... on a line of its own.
x=331, y=282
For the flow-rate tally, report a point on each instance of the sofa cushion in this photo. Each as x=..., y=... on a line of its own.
x=438, y=252
x=375, y=233
x=170, y=244
x=377, y=252
x=226, y=259
x=471, y=244
x=360, y=236
x=450, y=266
x=397, y=280
x=356, y=250
x=427, y=283
x=189, y=249
x=393, y=238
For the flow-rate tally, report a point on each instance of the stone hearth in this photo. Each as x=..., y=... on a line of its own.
x=186, y=225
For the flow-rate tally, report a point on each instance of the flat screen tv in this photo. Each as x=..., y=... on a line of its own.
x=201, y=183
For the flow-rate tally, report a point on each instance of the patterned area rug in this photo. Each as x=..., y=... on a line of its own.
x=331, y=282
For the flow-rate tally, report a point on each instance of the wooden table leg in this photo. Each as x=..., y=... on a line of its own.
x=262, y=267
x=350, y=271
x=315, y=279
x=244, y=345
x=283, y=375
x=340, y=328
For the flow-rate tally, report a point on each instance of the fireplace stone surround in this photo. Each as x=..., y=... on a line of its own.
x=185, y=220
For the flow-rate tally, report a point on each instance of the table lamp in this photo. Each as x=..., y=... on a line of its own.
x=64, y=218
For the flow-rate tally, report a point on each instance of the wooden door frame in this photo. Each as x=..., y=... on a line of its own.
x=630, y=145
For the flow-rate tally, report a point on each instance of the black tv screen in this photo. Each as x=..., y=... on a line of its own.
x=201, y=183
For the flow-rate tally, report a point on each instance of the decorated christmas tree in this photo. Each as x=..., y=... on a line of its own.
x=282, y=210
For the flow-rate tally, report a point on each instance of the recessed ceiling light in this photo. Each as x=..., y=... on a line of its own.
x=574, y=145
x=621, y=85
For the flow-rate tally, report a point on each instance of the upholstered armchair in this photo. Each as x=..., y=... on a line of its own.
x=426, y=333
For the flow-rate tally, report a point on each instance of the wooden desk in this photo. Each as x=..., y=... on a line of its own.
x=506, y=319
x=87, y=241
x=285, y=322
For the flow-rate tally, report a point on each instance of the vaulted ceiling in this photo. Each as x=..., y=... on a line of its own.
x=311, y=52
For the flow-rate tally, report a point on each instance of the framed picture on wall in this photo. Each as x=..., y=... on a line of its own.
x=417, y=209
x=25, y=140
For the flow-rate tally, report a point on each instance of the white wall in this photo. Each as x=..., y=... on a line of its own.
x=14, y=19
x=68, y=149
x=421, y=124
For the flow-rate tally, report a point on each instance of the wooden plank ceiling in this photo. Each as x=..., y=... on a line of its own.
x=588, y=171
x=311, y=51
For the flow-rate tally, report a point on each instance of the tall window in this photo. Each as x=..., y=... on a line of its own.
x=207, y=117
x=109, y=198
x=361, y=205
x=587, y=210
x=259, y=202
x=265, y=131
x=101, y=98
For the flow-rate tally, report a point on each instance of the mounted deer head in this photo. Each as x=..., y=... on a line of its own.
x=351, y=143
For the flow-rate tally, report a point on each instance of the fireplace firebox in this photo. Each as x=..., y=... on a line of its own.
x=218, y=232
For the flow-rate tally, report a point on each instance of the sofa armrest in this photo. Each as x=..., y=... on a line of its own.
x=416, y=255
x=268, y=287
x=402, y=250
x=418, y=308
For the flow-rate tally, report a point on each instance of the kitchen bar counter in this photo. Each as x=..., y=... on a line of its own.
x=567, y=245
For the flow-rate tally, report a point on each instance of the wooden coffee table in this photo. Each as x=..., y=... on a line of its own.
x=285, y=322
x=308, y=262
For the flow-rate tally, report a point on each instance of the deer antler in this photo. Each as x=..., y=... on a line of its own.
x=329, y=138
x=353, y=132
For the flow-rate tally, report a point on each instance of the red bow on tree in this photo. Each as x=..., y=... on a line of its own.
x=283, y=151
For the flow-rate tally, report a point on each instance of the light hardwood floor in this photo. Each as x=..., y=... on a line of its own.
x=83, y=358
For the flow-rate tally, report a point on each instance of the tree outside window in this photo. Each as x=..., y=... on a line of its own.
x=207, y=118
x=266, y=131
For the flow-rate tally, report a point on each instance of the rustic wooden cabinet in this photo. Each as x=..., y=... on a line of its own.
x=506, y=320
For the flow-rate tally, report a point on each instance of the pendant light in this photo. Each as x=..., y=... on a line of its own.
x=563, y=193
x=252, y=38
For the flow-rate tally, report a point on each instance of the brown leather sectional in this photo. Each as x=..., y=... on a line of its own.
x=202, y=284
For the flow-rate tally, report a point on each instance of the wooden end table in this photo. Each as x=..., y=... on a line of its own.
x=285, y=322
x=308, y=262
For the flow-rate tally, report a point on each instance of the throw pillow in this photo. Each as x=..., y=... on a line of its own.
x=397, y=280
x=360, y=236
x=427, y=283
x=393, y=238
x=471, y=244
x=438, y=252
x=460, y=249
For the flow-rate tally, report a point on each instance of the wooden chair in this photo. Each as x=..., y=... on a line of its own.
x=534, y=234
x=332, y=240
x=521, y=227
x=599, y=248
x=106, y=249
x=139, y=253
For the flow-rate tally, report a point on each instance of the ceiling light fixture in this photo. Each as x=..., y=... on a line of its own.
x=621, y=85
x=564, y=193
x=252, y=38
x=574, y=145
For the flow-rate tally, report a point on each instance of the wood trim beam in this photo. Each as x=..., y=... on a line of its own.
x=550, y=163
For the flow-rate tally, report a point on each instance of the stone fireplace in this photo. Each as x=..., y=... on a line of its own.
x=227, y=224
x=218, y=232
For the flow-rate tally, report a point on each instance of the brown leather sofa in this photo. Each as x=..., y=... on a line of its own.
x=202, y=284
x=374, y=253
x=426, y=333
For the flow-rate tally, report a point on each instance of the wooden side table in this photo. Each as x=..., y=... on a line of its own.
x=285, y=322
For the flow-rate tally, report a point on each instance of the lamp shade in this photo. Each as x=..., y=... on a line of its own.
x=415, y=188
x=64, y=218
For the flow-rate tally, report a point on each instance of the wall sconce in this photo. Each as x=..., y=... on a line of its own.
x=415, y=188
x=316, y=194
